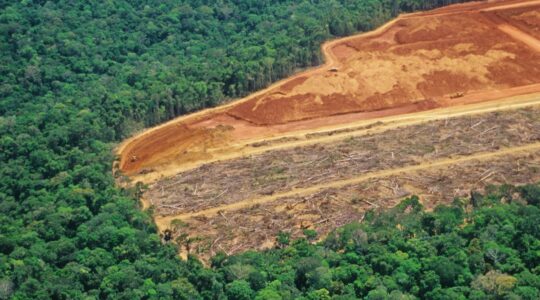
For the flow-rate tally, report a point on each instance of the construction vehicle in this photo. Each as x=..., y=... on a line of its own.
x=457, y=95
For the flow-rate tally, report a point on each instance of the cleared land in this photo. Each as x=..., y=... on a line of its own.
x=435, y=104
x=279, y=171
x=255, y=227
x=451, y=56
x=527, y=19
x=322, y=186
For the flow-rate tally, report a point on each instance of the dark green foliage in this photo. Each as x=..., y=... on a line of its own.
x=77, y=76
x=531, y=194
x=283, y=239
x=464, y=253
x=310, y=234
x=239, y=290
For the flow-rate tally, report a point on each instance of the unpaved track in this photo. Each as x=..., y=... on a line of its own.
x=514, y=32
x=513, y=5
x=520, y=35
x=163, y=222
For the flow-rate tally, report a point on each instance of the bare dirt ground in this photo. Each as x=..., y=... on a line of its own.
x=451, y=56
x=526, y=19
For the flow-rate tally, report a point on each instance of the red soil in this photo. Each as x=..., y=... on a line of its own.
x=417, y=62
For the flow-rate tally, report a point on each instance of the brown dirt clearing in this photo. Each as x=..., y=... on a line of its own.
x=416, y=62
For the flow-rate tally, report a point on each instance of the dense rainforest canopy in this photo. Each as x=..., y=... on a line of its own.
x=77, y=76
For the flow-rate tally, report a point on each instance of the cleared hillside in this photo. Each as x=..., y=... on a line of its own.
x=403, y=110
x=458, y=55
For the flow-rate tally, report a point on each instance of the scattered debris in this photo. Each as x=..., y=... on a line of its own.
x=255, y=227
x=284, y=170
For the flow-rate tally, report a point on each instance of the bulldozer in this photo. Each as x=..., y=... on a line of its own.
x=457, y=95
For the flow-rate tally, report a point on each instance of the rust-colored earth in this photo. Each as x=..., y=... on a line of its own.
x=456, y=55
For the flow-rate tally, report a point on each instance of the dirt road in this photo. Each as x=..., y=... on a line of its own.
x=517, y=4
x=520, y=35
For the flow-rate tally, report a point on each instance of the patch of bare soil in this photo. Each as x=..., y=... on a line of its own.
x=526, y=19
x=419, y=58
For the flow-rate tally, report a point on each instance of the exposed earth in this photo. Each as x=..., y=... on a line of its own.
x=288, y=148
x=459, y=54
